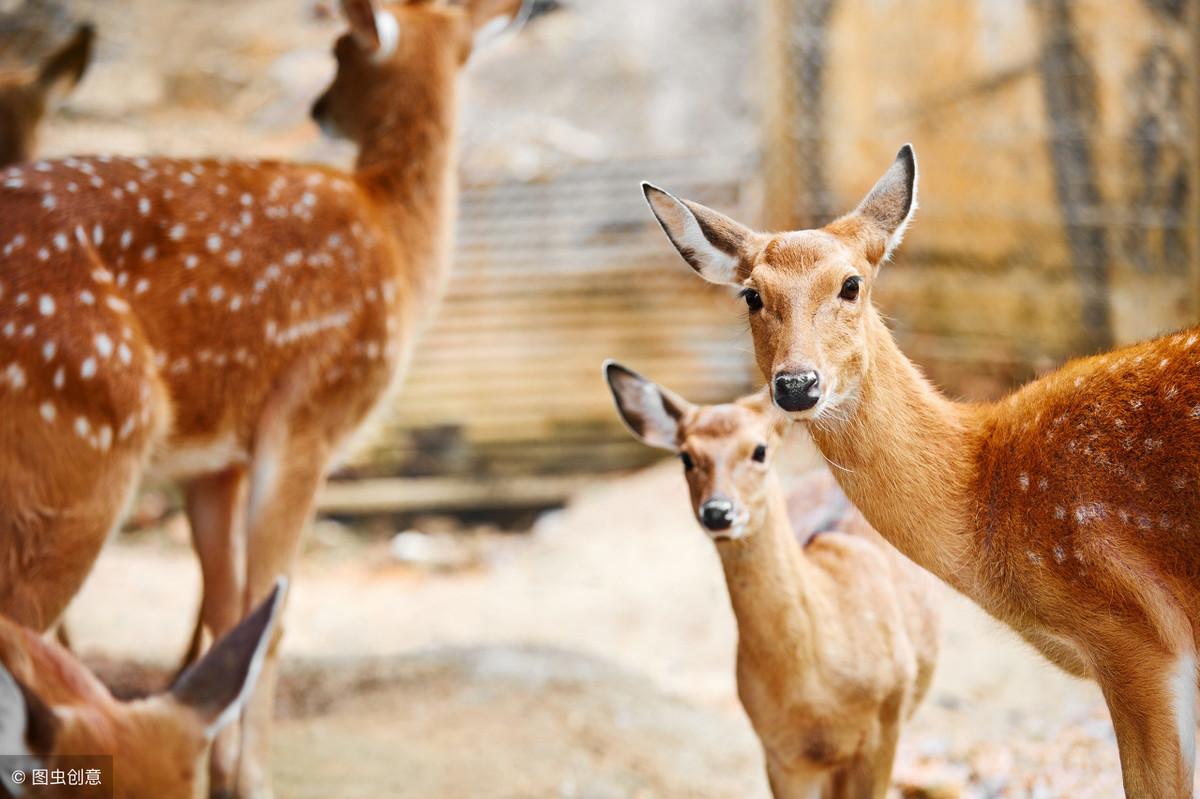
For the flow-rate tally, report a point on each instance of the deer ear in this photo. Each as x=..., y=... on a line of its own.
x=490, y=16
x=28, y=728
x=218, y=685
x=63, y=70
x=889, y=206
x=651, y=413
x=712, y=244
x=363, y=17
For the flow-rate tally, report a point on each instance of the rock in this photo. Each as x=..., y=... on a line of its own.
x=439, y=552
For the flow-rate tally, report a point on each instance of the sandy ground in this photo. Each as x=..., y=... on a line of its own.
x=591, y=658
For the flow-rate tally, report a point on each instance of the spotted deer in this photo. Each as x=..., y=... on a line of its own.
x=223, y=324
x=837, y=637
x=26, y=96
x=1068, y=510
x=52, y=708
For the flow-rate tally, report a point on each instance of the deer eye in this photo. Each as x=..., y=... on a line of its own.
x=753, y=300
x=760, y=453
x=687, y=461
x=850, y=288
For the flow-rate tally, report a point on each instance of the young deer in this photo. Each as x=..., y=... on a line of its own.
x=53, y=708
x=1068, y=510
x=836, y=636
x=224, y=324
x=26, y=96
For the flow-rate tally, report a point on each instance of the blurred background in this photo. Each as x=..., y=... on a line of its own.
x=496, y=601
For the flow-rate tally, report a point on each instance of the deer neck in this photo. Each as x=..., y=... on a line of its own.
x=903, y=455
x=768, y=578
x=407, y=164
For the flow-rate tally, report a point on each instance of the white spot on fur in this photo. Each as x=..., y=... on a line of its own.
x=48, y=411
x=15, y=376
x=104, y=345
x=46, y=305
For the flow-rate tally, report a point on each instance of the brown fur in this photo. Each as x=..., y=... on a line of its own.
x=837, y=640
x=224, y=324
x=1069, y=510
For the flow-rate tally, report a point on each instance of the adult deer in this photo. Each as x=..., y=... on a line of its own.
x=837, y=639
x=1068, y=510
x=224, y=324
x=26, y=96
x=52, y=709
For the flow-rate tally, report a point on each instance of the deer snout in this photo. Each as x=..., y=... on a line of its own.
x=716, y=515
x=796, y=391
x=320, y=108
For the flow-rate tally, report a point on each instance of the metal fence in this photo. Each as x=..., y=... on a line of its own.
x=1057, y=141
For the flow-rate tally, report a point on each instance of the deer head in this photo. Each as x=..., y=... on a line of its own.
x=26, y=97
x=51, y=706
x=808, y=293
x=726, y=450
x=391, y=45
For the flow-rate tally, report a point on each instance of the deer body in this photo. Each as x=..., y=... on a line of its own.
x=1067, y=510
x=837, y=639
x=227, y=325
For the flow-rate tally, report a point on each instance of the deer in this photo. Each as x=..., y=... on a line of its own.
x=837, y=635
x=26, y=96
x=53, y=709
x=1067, y=510
x=226, y=326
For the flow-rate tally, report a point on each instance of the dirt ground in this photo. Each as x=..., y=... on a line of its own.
x=591, y=657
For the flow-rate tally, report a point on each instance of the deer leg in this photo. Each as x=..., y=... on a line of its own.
x=1152, y=702
x=215, y=507
x=877, y=771
x=282, y=499
x=48, y=548
x=789, y=783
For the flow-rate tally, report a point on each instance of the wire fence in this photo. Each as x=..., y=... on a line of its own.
x=1057, y=141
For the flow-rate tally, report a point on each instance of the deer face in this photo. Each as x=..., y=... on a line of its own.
x=25, y=97
x=726, y=450
x=390, y=46
x=807, y=293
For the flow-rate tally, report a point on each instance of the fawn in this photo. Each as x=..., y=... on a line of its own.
x=52, y=708
x=223, y=324
x=837, y=638
x=1068, y=510
x=26, y=96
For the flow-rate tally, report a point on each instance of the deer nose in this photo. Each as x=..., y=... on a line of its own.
x=797, y=391
x=716, y=514
x=318, y=108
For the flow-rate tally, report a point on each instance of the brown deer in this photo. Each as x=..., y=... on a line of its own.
x=52, y=708
x=1068, y=510
x=837, y=638
x=26, y=96
x=224, y=324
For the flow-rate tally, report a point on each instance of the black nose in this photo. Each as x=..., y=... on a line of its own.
x=797, y=392
x=318, y=108
x=716, y=514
